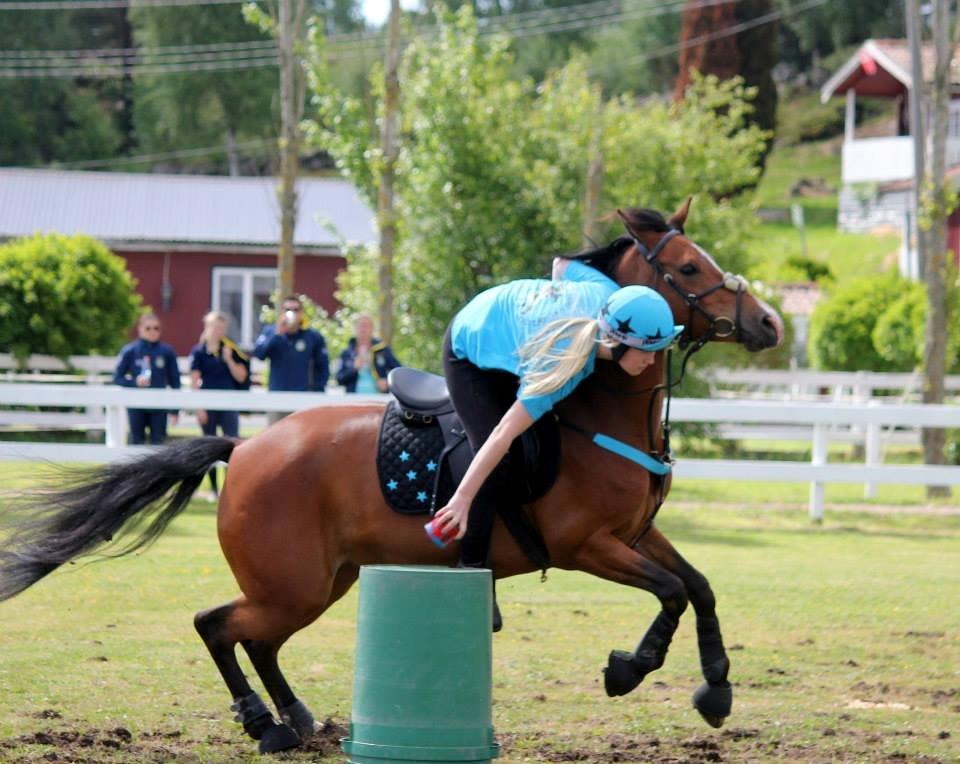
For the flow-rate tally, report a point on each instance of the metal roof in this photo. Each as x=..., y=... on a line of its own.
x=892, y=57
x=142, y=208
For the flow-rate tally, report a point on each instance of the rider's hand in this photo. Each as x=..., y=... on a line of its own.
x=202, y=417
x=455, y=514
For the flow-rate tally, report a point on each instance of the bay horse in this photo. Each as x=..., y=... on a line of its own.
x=301, y=509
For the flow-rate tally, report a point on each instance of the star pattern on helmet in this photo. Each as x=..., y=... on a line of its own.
x=624, y=326
x=655, y=337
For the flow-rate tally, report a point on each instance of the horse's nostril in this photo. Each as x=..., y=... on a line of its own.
x=772, y=327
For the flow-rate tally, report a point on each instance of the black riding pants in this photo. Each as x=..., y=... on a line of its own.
x=481, y=397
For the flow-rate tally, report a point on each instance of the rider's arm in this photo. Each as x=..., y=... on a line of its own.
x=513, y=424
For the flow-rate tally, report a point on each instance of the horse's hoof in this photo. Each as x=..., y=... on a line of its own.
x=714, y=702
x=278, y=738
x=621, y=674
x=298, y=716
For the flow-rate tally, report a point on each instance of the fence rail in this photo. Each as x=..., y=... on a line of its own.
x=822, y=417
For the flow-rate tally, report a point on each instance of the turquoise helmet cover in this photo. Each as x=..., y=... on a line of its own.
x=639, y=317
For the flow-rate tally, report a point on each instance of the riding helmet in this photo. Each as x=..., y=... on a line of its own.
x=639, y=318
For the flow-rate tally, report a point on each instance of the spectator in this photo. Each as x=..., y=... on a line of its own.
x=147, y=362
x=298, y=354
x=365, y=363
x=216, y=363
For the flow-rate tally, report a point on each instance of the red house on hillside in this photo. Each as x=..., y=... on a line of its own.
x=878, y=171
x=194, y=243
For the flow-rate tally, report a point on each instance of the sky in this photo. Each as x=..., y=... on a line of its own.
x=377, y=11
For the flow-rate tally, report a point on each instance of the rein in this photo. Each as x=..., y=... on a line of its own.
x=720, y=327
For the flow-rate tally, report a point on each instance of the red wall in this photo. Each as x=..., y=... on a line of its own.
x=191, y=277
x=953, y=235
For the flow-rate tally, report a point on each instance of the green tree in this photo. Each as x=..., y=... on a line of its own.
x=63, y=295
x=491, y=172
x=46, y=120
x=199, y=108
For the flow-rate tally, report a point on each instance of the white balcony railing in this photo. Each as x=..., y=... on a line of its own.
x=880, y=160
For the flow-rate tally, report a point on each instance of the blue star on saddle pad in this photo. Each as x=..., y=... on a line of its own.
x=404, y=456
x=412, y=475
x=392, y=485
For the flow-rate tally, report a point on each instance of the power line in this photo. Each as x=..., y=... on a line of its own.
x=726, y=31
x=243, y=147
x=262, y=53
x=83, y=5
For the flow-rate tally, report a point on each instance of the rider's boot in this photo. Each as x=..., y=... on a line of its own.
x=497, y=622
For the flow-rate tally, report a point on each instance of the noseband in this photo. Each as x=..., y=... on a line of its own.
x=720, y=327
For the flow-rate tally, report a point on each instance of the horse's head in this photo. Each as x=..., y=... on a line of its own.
x=711, y=303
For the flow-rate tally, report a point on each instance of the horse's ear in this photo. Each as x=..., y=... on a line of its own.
x=626, y=223
x=679, y=218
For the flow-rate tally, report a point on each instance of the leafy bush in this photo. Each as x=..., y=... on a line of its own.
x=63, y=295
x=878, y=323
x=899, y=333
x=841, y=327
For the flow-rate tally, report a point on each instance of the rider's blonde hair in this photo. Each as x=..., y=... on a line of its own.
x=557, y=352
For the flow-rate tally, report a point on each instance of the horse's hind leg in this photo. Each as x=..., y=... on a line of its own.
x=714, y=698
x=264, y=653
x=218, y=628
x=608, y=557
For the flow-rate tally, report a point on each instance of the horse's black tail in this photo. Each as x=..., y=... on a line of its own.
x=46, y=529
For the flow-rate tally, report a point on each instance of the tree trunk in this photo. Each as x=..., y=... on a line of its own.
x=592, y=230
x=934, y=272
x=390, y=148
x=289, y=144
x=233, y=159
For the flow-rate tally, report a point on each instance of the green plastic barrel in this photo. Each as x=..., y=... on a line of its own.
x=422, y=682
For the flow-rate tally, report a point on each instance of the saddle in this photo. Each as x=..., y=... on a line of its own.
x=423, y=454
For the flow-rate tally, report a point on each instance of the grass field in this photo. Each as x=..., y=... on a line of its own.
x=847, y=255
x=845, y=642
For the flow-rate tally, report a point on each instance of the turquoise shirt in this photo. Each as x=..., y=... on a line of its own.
x=490, y=330
x=365, y=382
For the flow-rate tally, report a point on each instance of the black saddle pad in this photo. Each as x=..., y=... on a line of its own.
x=410, y=464
x=419, y=471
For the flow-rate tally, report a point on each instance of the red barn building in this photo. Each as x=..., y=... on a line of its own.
x=877, y=171
x=194, y=242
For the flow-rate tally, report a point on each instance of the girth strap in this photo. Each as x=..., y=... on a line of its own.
x=649, y=462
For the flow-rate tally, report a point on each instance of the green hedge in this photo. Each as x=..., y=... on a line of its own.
x=63, y=295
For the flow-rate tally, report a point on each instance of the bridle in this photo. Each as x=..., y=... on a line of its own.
x=720, y=327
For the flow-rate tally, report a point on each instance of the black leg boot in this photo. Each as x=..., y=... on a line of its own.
x=497, y=624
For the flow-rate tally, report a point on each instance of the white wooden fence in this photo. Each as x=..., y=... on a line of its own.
x=821, y=416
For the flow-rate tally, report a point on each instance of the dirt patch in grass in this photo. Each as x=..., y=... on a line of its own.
x=108, y=746
x=742, y=745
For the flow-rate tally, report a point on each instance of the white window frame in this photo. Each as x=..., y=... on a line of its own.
x=245, y=337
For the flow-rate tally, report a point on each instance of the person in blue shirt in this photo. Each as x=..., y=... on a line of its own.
x=147, y=362
x=298, y=354
x=216, y=363
x=365, y=363
x=516, y=350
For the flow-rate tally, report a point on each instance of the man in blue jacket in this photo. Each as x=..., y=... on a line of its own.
x=147, y=362
x=298, y=354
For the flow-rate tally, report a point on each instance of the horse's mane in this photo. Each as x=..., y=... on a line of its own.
x=605, y=258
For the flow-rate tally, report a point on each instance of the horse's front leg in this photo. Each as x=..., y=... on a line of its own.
x=714, y=698
x=606, y=556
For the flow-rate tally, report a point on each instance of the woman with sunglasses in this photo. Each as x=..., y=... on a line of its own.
x=514, y=352
x=147, y=362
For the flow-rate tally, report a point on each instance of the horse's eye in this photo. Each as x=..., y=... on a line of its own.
x=688, y=270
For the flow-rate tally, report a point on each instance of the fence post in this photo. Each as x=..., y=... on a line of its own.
x=116, y=426
x=818, y=458
x=874, y=456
